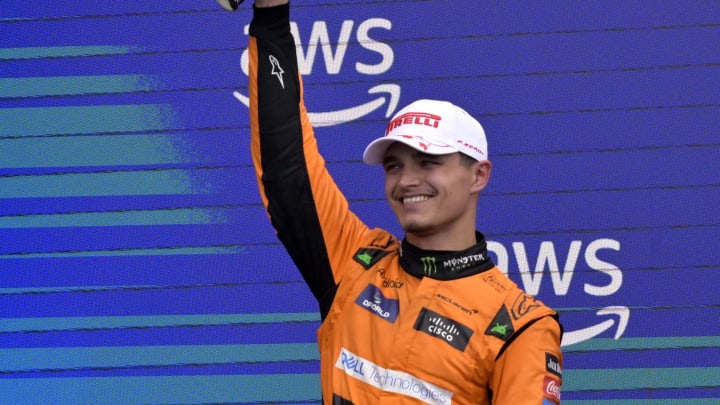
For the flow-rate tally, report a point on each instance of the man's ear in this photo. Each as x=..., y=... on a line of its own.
x=481, y=175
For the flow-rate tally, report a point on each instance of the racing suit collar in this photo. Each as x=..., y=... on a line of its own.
x=445, y=265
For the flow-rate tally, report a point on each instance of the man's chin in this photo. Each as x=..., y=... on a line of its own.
x=416, y=228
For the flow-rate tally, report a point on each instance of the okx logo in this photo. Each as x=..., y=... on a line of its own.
x=449, y=331
x=374, y=301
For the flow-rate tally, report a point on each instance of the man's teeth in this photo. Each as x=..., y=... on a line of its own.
x=409, y=200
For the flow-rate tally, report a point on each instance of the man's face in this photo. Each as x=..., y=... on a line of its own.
x=431, y=194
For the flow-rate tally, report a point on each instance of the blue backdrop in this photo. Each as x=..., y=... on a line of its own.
x=137, y=264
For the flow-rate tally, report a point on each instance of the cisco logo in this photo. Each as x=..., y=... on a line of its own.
x=451, y=332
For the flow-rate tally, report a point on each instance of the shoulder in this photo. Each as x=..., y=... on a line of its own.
x=507, y=309
x=520, y=306
x=375, y=245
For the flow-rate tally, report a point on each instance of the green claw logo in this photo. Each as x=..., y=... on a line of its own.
x=429, y=266
x=365, y=258
x=500, y=329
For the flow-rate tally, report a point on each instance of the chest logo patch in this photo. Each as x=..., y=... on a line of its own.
x=374, y=301
x=368, y=257
x=523, y=304
x=501, y=326
x=449, y=331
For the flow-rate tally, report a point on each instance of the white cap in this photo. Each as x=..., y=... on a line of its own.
x=434, y=127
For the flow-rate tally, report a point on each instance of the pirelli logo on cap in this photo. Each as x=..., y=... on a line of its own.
x=449, y=331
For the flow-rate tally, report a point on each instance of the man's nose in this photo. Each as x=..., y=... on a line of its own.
x=410, y=176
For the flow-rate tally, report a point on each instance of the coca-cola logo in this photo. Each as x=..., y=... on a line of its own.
x=552, y=389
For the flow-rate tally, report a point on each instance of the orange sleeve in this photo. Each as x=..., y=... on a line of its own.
x=529, y=371
x=310, y=214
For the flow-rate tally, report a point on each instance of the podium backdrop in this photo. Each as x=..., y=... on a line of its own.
x=137, y=264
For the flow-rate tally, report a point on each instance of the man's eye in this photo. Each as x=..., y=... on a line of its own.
x=429, y=162
x=390, y=166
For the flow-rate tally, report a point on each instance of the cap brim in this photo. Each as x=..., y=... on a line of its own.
x=375, y=151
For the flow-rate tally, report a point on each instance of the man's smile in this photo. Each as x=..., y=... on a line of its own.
x=414, y=199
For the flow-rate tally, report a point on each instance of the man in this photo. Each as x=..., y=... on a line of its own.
x=428, y=319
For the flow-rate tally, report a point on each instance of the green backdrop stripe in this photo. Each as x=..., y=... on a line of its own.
x=639, y=378
x=63, y=51
x=13, y=325
x=180, y=216
x=70, y=358
x=609, y=344
x=169, y=251
x=75, y=85
x=88, y=150
x=295, y=387
x=94, y=288
x=162, y=390
x=149, y=182
x=19, y=122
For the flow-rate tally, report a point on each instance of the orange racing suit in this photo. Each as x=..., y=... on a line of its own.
x=400, y=325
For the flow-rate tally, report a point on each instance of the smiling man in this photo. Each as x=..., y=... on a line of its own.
x=435, y=160
x=425, y=319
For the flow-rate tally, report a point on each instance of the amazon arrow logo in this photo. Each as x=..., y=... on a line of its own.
x=577, y=336
x=322, y=45
x=389, y=93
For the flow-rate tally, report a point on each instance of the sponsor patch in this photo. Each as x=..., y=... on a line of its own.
x=449, y=331
x=551, y=389
x=501, y=326
x=456, y=304
x=388, y=282
x=494, y=282
x=368, y=257
x=388, y=380
x=523, y=304
x=552, y=364
x=374, y=301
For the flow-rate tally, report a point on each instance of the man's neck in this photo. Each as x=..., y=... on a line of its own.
x=443, y=241
x=446, y=265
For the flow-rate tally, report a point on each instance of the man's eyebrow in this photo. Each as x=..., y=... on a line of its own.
x=423, y=155
x=389, y=159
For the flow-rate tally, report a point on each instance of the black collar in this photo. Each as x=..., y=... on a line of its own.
x=446, y=265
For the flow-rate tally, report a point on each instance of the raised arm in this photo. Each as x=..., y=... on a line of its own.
x=308, y=211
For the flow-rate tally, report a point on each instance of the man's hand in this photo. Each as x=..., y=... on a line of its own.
x=269, y=3
x=230, y=5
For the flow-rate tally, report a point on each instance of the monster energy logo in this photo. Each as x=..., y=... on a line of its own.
x=429, y=266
